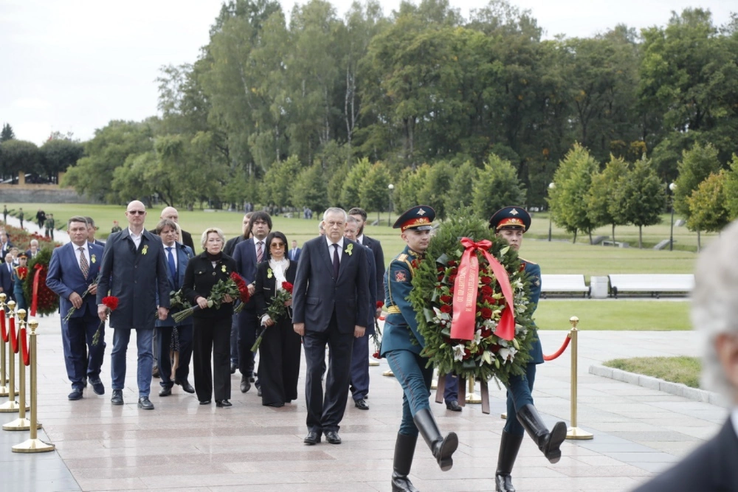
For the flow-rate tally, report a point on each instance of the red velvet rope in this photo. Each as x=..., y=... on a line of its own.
x=558, y=352
x=13, y=337
x=36, y=278
x=4, y=332
x=24, y=346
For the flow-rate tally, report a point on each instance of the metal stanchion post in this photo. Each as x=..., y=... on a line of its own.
x=11, y=406
x=21, y=423
x=472, y=397
x=434, y=380
x=3, y=375
x=33, y=445
x=575, y=432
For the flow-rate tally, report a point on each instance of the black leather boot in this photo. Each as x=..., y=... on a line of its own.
x=509, y=446
x=404, y=451
x=442, y=447
x=548, y=442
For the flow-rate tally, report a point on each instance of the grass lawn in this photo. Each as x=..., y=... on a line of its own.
x=616, y=315
x=685, y=370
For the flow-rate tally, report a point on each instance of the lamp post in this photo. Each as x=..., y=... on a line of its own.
x=390, y=188
x=551, y=186
x=672, y=188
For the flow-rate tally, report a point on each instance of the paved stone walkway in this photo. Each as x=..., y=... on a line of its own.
x=187, y=447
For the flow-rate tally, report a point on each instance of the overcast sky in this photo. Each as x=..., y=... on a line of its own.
x=74, y=65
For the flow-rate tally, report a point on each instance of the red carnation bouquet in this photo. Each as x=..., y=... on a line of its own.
x=22, y=272
x=243, y=291
x=217, y=295
x=279, y=308
x=111, y=303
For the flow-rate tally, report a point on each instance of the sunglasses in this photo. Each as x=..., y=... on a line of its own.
x=136, y=212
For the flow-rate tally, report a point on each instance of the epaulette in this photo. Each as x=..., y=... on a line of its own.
x=527, y=261
x=404, y=258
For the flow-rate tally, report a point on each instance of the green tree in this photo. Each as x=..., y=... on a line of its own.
x=58, y=154
x=309, y=189
x=568, y=199
x=497, y=186
x=696, y=165
x=602, y=200
x=731, y=189
x=351, y=192
x=460, y=193
x=405, y=194
x=20, y=156
x=641, y=197
x=707, y=205
x=278, y=181
x=373, y=192
x=7, y=133
x=435, y=190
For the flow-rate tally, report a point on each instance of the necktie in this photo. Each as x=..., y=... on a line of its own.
x=336, y=262
x=172, y=267
x=259, y=251
x=83, y=262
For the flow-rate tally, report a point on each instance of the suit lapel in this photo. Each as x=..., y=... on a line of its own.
x=326, y=254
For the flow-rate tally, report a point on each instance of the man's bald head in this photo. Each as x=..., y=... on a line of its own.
x=170, y=213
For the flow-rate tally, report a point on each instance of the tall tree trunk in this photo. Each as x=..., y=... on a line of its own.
x=699, y=241
x=640, y=237
x=575, y=237
x=590, y=238
x=613, y=235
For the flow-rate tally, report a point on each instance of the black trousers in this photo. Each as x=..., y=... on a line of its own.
x=279, y=363
x=248, y=323
x=325, y=414
x=212, y=336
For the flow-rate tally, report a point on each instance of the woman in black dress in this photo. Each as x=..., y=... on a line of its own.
x=279, y=352
x=212, y=327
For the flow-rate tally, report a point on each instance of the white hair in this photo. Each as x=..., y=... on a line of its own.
x=715, y=306
x=335, y=210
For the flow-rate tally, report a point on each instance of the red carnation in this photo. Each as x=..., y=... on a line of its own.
x=440, y=277
x=486, y=313
x=446, y=299
x=486, y=332
x=287, y=286
x=441, y=269
x=446, y=308
x=376, y=355
x=453, y=271
x=380, y=304
x=451, y=290
x=451, y=263
x=487, y=290
x=452, y=278
x=486, y=280
x=490, y=300
x=467, y=353
x=111, y=302
x=494, y=348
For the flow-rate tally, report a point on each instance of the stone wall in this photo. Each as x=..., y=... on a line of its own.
x=40, y=194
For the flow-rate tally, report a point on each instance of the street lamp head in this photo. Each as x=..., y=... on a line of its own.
x=390, y=187
x=672, y=187
x=551, y=185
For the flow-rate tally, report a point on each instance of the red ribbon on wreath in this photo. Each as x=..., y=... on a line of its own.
x=465, y=293
x=13, y=337
x=25, y=354
x=3, y=332
x=34, y=303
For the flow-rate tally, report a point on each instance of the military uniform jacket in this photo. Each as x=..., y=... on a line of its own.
x=533, y=272
x=135, y=277
x=400, y=327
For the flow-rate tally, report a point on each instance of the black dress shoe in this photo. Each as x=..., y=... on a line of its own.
x=361, y=404
x=245, y=384
x=332, y=437
x=76, y=394
x=204, y=402
x=453, y=405
x=97, y=386
x=145, y=404
x=155, y=371
x=312, y=438
x=165, y=392
x=186, y=386
x=258, y=390
x=117, y=398
x=223, y=403
x=234, y=366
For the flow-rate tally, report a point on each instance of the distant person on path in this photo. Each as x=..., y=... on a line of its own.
x=511, y=223
x=134, y=269
x=711, y=467
x=5, y=214
x=115, y=228
x=73, y=269
x=50, y=224
x=40, y=219
x=20, y=216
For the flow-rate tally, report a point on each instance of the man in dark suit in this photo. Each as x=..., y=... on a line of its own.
x=178, y=255
x=91, y=231
x=32, y=249
x=711, y=467
x=6, y=277
x=5, y=245
x=294, y=254
x=248, y=254
x=360, y=354
x=172, y=214
x=330, y=306
x=73, y=270
x=134, y=270
x=230, y=246
x=376, y=247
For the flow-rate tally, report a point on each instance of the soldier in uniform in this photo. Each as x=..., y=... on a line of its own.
x=511, y=223
x=401, y=346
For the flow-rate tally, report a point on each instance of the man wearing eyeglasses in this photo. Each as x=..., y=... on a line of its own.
x=134, y=270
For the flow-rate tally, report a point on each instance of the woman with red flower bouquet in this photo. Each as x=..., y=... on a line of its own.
x=510, y=223
x=212, y=321
x=279, y=348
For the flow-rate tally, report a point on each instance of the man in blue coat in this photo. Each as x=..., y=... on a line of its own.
x=134, y=270
x=178, y=255
x=73, y=271
x=330, y=303
x=510, y=223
